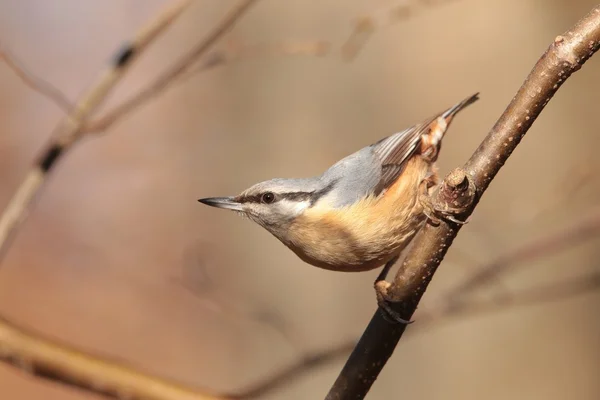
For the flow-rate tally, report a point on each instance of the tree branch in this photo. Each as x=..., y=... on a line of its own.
x=187, y=66
x=178, y=69
x=366, y=25
x=51, y=360
x=587, y=227
x=70, y=129
x=236, y=51
x=565, y=55
x=41, y=86
x=525, y=297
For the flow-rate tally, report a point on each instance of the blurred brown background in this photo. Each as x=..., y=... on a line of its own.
x=101, y=260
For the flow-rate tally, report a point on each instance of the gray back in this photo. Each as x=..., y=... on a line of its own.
x=372, y=169
x=353, y=177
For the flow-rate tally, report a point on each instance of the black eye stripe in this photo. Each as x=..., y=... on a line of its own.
x=258, y=198
x=255, y=198
x=292, y=196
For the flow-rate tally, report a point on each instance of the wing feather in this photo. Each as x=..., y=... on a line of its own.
x=395, y=150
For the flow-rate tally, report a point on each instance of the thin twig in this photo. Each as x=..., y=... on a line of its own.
x=69, y=130
x=585, y=228
x=43, y=357
x=566, y=55
x=558, y=291
x=52, y=360
x=174, y=72
x=235, y=51
x=291, y=373
x=41, y=86
x=188, y=65
x=541, y=294
x=380, y=18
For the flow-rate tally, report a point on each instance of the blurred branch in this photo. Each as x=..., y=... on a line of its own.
x=565, y=289
x=565, y=191
x=586, y=228
x=70, y=129
x=541, y=294
x=383, y=17
x=236, y=51
x=175, y=71
x=188, y=65
x=527, y=297
x=564, y=56
x=289, y=374
x=46, y=89
x=51, y=360
x=42, y=357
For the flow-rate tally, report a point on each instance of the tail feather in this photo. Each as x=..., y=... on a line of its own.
x=452, y=111
x=431, y=140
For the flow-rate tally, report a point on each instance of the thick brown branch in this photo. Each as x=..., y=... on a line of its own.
x=565, y=56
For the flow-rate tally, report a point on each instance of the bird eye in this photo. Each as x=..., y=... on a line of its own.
x=267, y=198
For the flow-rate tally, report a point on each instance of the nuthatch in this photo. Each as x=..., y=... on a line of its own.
x=360, y=213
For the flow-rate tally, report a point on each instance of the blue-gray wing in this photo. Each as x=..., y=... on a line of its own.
x=376, y=167
x=372, y=169
x=394, y=151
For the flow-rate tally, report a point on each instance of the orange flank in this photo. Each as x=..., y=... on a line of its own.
x=366, y=234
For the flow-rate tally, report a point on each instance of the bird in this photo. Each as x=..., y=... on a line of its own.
x=363, y=211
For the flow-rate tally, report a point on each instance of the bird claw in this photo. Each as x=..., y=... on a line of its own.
x=437, y=215
x=385, y=304
x=451, y=218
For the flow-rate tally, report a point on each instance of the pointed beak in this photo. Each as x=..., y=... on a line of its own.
x=228, y=203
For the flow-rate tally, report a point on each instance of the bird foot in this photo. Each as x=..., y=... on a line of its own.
x=384, y=301
x=436, y=215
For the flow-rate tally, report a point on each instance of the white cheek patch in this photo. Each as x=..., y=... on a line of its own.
x=294, y=207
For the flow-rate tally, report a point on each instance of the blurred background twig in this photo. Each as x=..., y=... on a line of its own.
x=69, y=130
x=46, y=89
x=48, y=359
